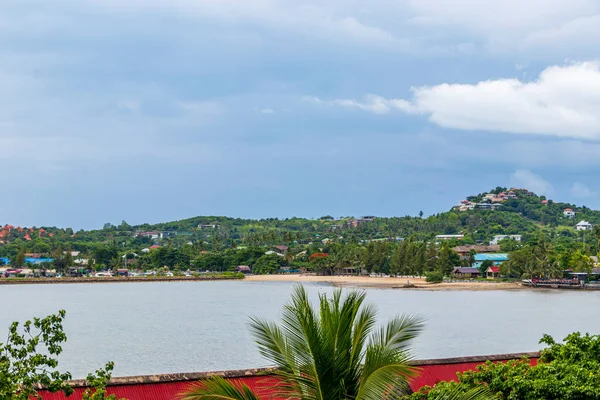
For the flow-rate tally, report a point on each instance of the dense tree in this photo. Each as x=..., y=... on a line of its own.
x=564, y=371
x=267, y=264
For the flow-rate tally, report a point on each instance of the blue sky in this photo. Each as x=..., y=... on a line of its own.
x=154, y=110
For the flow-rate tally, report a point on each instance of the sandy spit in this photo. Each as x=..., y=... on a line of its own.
x=388, y=282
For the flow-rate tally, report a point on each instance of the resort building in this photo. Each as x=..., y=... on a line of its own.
x=464, y=251
x=499, y=238
x=492, y=272
x=584, y=226
x=465, y=272
x=495, y=258
x=449, y=237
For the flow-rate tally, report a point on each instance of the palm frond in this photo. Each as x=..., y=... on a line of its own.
x=218, y=388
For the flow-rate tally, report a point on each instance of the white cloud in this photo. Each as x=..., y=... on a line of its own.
x=267, y=111
x=580, y=191
x=524, y=178
x=373, y=103
x=563, y=101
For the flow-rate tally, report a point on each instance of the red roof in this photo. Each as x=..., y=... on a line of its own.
x=494, y=269
x=155, y=246
x=431, y=372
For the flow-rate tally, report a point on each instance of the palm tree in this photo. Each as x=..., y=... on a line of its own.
x=328, y=353
x=332, y=353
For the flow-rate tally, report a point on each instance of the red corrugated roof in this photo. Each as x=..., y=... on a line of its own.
x=495, y=269
x=265, y=386
x=168, y=390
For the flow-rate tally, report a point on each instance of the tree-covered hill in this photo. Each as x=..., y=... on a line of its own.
x=516, y=211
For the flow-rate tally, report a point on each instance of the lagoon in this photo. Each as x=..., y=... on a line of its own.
x=164, y=327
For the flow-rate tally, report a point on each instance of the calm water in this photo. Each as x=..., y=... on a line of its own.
x=201, y=326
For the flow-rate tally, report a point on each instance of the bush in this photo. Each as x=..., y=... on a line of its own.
x=434, y=277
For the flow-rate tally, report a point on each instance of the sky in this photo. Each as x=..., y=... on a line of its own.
x=157, y=110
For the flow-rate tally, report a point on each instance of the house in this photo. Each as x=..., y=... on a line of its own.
x=511, y=195
x=283, y=249
x=367, y=218
x=584, y=226
x=569, y=213
x=495, y=258
x=208, y=226
x=465, y=272
x=464, y=251
x=545, y=202
x=483, y=206
x=499, y=238
x=495, y=206
x=152, y=235
x=244, y=269
x=492, y=272
x=34, y=255
x=449, y=237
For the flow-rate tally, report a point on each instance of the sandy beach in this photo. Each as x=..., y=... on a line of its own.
x=388, y=282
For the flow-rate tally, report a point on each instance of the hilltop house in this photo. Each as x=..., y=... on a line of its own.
x=495, y=258
x=569, y=213
x=584, y=226
x=152, y=235
x=498, y=238
x=448, y=237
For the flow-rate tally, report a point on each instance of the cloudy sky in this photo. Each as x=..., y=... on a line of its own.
x=154, y=110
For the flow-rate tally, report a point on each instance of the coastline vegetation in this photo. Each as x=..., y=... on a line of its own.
x=405, y=246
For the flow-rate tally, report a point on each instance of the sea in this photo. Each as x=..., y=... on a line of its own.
x=167, y=327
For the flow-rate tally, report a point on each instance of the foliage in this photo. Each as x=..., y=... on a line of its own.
x=267, y=264
x=28, y=361
x=434, y=277
x=97, y=384
x=484, y=266
x=28, y=358
x=568, y=370
x=332, y=351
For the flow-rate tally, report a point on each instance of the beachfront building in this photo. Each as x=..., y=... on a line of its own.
x=498, y=238
x=495, y=258
x=465, y=272
x=244, y=269
x=584, y=226
x=492, y=272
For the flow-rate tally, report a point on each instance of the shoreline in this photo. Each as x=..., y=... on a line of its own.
x=121, y=279
x=389, y=282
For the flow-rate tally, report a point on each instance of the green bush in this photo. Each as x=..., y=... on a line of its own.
x=434, y=277
x=566, y=370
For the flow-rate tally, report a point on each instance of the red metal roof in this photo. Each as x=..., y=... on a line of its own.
x=168, y=390
x=430, y=373
x=495, y=269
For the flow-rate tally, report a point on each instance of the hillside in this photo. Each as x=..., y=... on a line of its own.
x=479, y=218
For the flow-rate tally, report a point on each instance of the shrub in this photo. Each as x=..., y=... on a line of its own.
x=434, y=277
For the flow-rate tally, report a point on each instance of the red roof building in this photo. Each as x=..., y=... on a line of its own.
x=169, y=386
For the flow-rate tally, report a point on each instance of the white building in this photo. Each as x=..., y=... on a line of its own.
x=569, y=213
x=498, y=238
x=584, y=226
x=448, y=237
